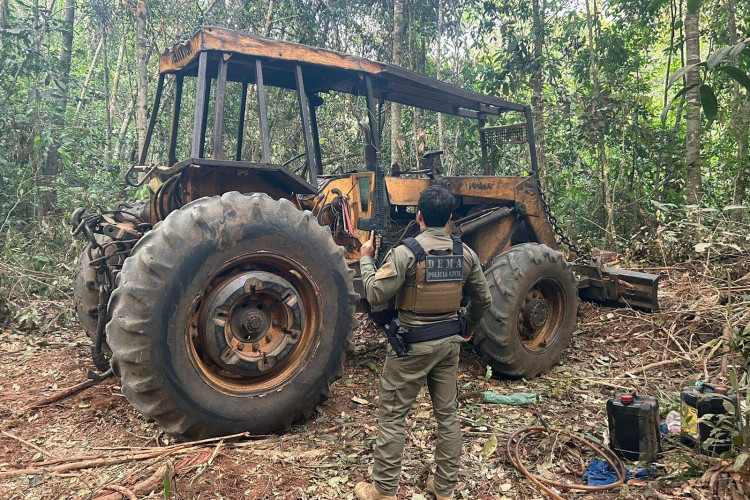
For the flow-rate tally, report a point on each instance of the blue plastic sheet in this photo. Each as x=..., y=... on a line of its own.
x=600, y=473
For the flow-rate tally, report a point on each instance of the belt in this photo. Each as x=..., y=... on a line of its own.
x=436, y=331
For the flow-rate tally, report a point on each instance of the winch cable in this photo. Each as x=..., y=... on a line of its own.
x=513, y=450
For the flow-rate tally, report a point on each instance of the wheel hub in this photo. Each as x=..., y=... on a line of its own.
x=535, y=314
x=252, y=322
x=536, y=318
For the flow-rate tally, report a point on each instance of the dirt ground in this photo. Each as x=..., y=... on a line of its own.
x=94, y=443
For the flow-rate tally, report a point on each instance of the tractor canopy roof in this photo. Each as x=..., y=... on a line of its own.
x=324, y=70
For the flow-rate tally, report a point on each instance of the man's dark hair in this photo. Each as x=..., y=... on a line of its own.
x=436, y=204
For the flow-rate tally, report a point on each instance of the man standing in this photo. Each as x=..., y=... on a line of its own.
x=427, y=275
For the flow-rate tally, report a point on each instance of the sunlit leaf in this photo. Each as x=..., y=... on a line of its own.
x=681, y=72
x=717, y=57
x=737, y=50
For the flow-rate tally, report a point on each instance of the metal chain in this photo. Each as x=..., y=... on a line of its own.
x=562, y=238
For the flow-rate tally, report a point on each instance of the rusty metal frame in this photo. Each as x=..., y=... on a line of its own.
x=204, y=123
x=221, y=93
x=200, y=97
x=152, y=121
x=483, y=144
x=176, y=107
x=531, y=140
x=371, y=114
x=315, y=138
x=304, y=108
x=262, y=112
x=241, y=124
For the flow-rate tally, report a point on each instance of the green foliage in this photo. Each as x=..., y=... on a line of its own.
x=717, y=62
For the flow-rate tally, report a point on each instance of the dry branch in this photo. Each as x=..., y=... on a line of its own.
x=30, y=444
x=667, y=362
x=60, y=395
x=90, y=461
x=141, y=488
x=590, y=381
x=122, y=491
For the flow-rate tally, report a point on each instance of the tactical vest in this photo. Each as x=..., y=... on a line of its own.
x=437, y=285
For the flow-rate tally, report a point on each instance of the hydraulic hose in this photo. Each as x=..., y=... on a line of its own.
x=546, y=485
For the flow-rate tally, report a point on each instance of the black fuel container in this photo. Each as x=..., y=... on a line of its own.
x=709, y=415
x=634, y=426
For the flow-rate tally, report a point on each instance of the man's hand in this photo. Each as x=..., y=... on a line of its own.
x=368, y=248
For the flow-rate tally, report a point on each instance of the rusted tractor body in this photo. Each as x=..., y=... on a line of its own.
x=228, y=299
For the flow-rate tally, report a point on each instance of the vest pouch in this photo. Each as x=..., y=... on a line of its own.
x=425, y=297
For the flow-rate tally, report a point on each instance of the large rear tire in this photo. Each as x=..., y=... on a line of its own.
x=533, y=313
x=233, y=314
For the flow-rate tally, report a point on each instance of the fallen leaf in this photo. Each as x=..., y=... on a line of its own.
x=334, y=481
x=489, y=446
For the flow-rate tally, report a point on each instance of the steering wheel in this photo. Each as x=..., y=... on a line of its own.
x=302, y=166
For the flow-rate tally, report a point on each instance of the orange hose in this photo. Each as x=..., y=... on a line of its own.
x=513, y=450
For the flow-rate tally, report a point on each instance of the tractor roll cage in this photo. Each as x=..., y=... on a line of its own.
x=229, y=56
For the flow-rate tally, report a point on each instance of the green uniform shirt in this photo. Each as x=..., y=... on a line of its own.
x=382, y=284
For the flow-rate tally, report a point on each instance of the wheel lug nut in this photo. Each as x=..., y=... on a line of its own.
x=275, y=322
x=240, y=346
x=256, y=346
x=268, y=337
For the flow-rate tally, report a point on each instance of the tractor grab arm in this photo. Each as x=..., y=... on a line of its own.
x=617, y=287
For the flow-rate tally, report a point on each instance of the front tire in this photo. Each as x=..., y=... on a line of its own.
x=233, y=314
x=86, y=293
x=533, y=313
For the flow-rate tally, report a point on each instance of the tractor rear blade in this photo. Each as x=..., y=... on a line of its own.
x=617, y=287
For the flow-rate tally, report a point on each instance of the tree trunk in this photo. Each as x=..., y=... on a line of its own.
x=610, y=236
x=141, y=67
x=107, y=97
x=66, y=50
x=127, y=116
x=116, y=77
x=3, y=20
x=439, y=68
x=743, y=171
x=398, y=46
x=90, y=73
x=537, y=86
x=52, y=164
x=269, y=19
x=739, y=122
x=693, y=189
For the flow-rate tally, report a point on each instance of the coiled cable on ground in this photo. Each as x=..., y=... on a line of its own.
x=514, y=446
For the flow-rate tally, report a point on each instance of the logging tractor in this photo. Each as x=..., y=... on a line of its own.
x=226, y=301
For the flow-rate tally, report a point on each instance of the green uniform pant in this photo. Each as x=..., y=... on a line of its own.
x=435, y=362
